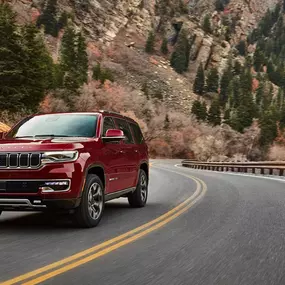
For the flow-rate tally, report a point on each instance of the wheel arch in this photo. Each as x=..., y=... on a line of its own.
x=145, y=167
x=99, y=171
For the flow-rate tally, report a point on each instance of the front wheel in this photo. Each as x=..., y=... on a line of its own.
x=91, y=208
x=138, y=198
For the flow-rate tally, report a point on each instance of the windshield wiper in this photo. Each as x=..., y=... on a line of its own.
x=22, y=137
x=50, y=136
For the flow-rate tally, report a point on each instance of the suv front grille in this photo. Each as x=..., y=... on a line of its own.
x=20, y=160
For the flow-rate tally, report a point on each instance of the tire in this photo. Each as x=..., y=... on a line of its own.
x=138, y=198
x=90, y=211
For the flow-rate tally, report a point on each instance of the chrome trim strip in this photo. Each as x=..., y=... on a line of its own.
x=19, y=203
x=50, y=191
x=113, y=179
x=118, y=194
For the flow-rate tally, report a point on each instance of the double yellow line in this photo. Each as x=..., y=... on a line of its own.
x=44, y=273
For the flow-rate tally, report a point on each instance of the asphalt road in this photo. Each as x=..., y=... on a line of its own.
x=234, y=234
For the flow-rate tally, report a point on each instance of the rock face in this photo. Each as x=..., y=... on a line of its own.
x=103, y=19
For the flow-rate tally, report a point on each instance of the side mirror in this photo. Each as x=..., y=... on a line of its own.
x=113, y=135
x=2, y=135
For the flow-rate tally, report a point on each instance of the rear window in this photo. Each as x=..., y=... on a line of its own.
x=137, y=133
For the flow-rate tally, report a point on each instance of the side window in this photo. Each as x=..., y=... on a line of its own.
x=137, y=133
x=124, y=126
x=107, y=125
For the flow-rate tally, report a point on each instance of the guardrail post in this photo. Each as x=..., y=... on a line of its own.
x=271, y=171
x=253, y=170
x=281, y=172
x=262, y=171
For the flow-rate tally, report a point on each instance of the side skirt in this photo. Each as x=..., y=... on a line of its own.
x=119, y=194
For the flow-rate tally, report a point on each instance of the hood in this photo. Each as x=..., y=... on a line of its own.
x=47, y=144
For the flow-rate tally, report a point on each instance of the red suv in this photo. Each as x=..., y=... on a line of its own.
x=73, y=162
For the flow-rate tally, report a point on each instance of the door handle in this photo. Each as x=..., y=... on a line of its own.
x=122, y=151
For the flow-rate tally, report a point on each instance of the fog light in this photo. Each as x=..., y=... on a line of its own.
x=54, y=186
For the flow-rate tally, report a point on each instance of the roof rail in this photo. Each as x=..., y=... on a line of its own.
x=111, y=112
x=116, y=113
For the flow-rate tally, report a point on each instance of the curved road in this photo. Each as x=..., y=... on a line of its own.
x=230, y=232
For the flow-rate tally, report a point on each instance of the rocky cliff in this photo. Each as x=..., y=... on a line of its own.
x=127, y=22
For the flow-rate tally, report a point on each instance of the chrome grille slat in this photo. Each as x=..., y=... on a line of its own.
x=23, y=160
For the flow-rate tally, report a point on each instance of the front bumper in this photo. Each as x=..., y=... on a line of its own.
x=37, y=204
x=31, y=184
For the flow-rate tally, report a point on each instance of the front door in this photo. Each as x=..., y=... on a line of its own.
x=114, y=158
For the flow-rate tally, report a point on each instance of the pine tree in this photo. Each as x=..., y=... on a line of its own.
x=26, y=68
x=62, y=21
x=180, y=57
x=259, y=60
x=96, y=71
x=199, y=110
x=213, y=80
x=204, y=112
x=268, y=127
x=199, y=83
x=164, y=47
x=241, y=47
x=207, y=26
x=219, y=5
x=237, y=68
x=81, y=59
x=196, y=109
x=12, y=57
x=246, y=82
x=225, y=81
x=259, y=96
x=149, y=47
x=49, y=18
x=38, y=70
x=214, y=114
x=68, y=60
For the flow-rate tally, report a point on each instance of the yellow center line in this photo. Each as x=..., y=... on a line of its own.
x=109, y=245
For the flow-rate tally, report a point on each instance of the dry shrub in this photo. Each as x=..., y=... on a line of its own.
x=277, y=152
x=130, y=59
x=53, y=104
x=159, y=148
x=11, y=119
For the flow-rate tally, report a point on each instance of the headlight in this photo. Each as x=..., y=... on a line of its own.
x=59, y=156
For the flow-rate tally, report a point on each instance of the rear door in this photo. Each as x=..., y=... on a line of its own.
x=113, y=158
x=140, y=147
x=129, y=166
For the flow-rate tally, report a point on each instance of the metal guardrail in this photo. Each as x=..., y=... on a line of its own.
x=265, y=167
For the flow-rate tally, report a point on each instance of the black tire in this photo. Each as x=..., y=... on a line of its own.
x=138, y=198
x=88, y=215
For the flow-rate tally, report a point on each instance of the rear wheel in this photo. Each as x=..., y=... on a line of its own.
x=91, y=208
x=138, y=198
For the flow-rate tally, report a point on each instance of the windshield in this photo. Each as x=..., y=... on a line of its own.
x=56, y=125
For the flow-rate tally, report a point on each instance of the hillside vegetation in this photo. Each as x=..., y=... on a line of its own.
x=49, y=64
